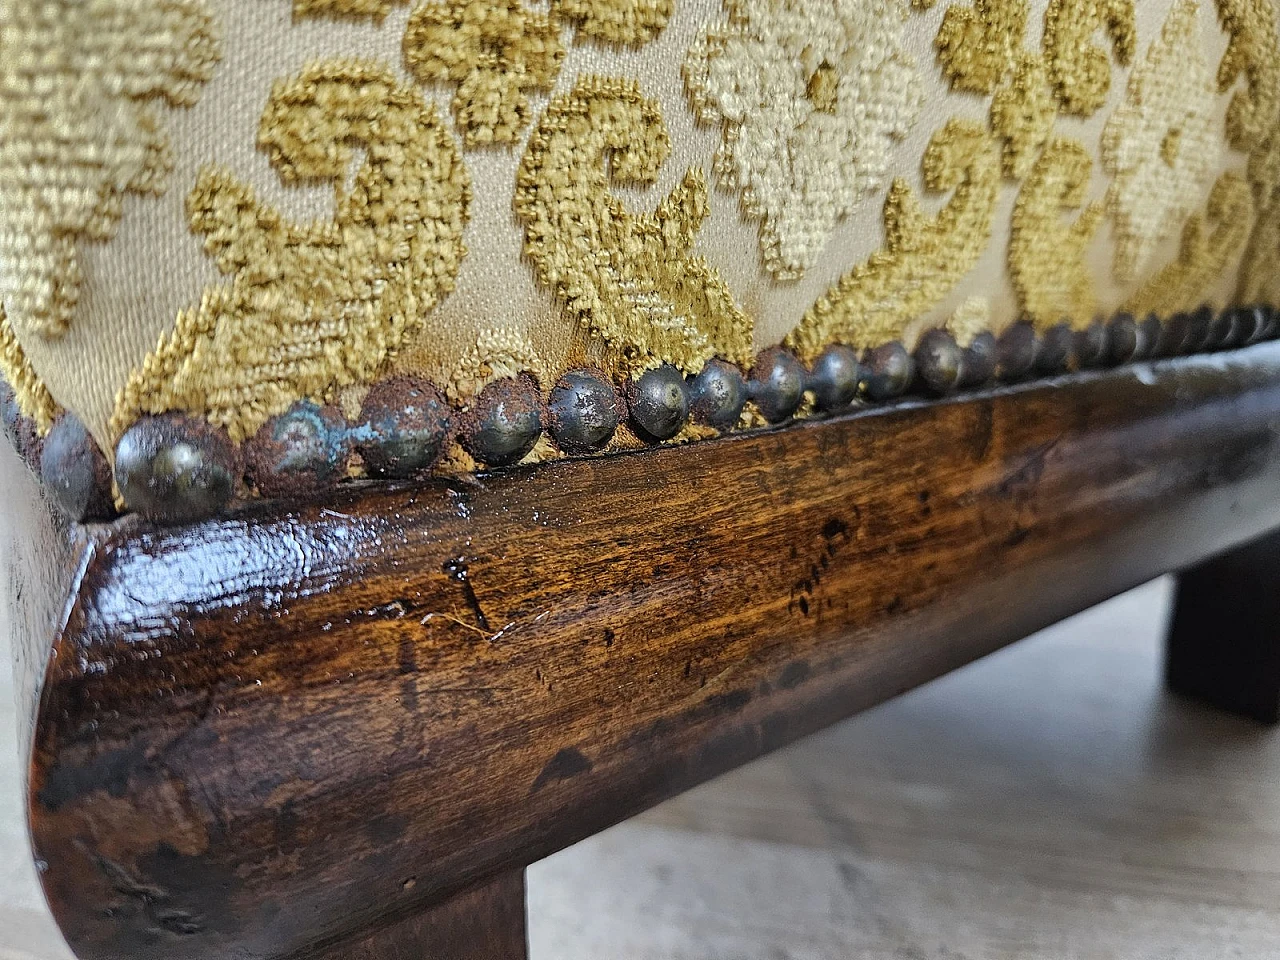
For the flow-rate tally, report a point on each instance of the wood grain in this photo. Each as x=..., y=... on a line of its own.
x=485, y=923
x=257, y=730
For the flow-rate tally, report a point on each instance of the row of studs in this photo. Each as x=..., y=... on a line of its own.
x=175, y=468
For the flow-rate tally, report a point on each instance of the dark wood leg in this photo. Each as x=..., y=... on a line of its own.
x=487, y=923
x=1224, y=643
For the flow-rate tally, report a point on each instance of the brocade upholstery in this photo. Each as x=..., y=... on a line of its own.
x=224, y=206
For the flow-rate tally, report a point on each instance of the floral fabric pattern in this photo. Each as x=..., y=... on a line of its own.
x=811, y=94
x=1162, y=142
x=496, y=51
x=467, y=191
x=79, y=85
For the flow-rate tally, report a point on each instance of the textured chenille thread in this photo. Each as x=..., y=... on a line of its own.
x=979, y=44
x=316, y=306
x=923, y=257
x=1253, y=125
x=375, y=10
x=616, y=256
x=1022, y=114
x=498, y=354
x=620, y=22
x=971, y=318
x=1079, y=67
x=1208, y=244
x=1161, y=144
x=495, y=51
x=626, y=23
x=1253, y=52
x=1046, y=251
x=1259, y=280
x=980, y=50
x=811, y=95
x=629, y=278
x=80, y=84
x=34, y=399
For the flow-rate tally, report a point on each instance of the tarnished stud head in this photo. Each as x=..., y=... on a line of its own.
x=1199, y=327
x=1266, y=321
x=504, y=422
x=777, y=383
x=1057, y=351
x=302, y=451
x=1016, y=352
x=658, y=401
x=887, y=371
x=404, y=423
x=1149, y=332
x=835, y=376
x=1249, y=325
x=1091, y=345
x=1122, y=338
x=1269, y=322
x=978, y=365
x=175, y=468
x=717, y=395
x=938, y=359
x=1222, y=330
x=583, y=410
x=1237, y=324
x=1174, y=335
x=75, y=472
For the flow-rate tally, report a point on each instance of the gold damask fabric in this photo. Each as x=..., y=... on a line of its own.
x=224, y=206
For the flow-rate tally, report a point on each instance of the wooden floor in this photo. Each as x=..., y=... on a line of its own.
x=1048, y=803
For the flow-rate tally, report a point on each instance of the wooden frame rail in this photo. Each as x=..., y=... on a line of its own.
x=269, y=733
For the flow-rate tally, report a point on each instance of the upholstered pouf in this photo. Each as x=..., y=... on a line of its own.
x=467, y=422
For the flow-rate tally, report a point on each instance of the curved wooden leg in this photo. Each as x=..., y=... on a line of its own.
x=1224, y=642
x=486, y=923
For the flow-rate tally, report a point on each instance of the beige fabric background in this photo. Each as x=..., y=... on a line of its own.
x=137, y=282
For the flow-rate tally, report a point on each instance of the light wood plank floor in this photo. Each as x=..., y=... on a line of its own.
x=1048, y=803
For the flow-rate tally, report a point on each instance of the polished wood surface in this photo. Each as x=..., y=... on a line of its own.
x=257, y=730
x=486, y=923
x=1049, y=802
x=1224, y=642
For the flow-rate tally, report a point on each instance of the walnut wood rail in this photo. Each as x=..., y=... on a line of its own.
x=267, y=733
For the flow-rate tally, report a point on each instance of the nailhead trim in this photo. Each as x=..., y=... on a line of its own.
x=509, y=416
x=74, y=471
